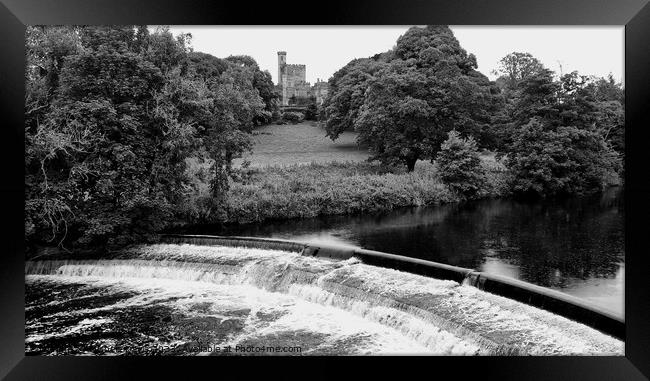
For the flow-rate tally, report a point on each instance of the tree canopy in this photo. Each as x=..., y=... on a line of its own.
x=404, y=102
x=517, y=67
x=346, y=94
x=557, y=134
x=115, y=116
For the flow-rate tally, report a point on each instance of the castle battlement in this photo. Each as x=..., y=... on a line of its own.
x=292, y=82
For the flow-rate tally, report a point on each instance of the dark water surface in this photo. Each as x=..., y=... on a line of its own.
x=575, y=245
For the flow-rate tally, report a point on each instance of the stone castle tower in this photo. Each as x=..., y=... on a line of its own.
x=282, y=61
x=292, y=82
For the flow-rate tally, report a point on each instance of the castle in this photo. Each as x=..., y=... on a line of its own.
x=293, y=86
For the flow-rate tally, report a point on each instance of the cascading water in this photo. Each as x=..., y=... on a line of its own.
x=185, y=299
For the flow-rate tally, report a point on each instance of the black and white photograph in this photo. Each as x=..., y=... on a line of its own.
x=333, y=190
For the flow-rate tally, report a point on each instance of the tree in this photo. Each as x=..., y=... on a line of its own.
x=226, y=136
x=517, y=67
x=609, y=97
x=595, y=104
x=106, y=157
x=237, y=105
x=263, y=83
x=346, y=95
x=207, y=66
x=164, y=50
x=536, y=96
x=554, y=130
x=47, y=50
x=95, y=149
x=430, y=88
x=523, y=82
x=395, y=123
x=212, y=68
x=460, y=165
x=562, y=161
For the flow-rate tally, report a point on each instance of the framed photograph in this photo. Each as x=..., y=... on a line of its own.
x=297, y=190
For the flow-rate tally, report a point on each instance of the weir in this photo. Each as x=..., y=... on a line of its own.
x=442, y=316
x=540, y=297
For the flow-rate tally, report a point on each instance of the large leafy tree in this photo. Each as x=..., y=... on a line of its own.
x=114, y=115
x=609, y=99
x=555, y=141
x=163, y=49
x=533, y=96
x=108, y=160
x=263, y=83
x=430, y=87
x=235, y=107
x=560, y=161
x=517, y=67
x=537, y=97
x=47, y=50
x=395, y=120
x=346, y=94
x=90, y=149
x=207, y=66
x=521, y=77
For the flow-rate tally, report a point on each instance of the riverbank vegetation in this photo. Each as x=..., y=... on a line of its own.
x=129, y=131
x=300, y=191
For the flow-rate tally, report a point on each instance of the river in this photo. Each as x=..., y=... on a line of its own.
x=575, y=245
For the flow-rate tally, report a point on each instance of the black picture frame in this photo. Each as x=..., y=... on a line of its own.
x=634, y=14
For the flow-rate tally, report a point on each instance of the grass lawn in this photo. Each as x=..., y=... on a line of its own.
x=305, y=143
x=302, y=143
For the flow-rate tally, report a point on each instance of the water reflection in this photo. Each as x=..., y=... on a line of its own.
x=576, y=245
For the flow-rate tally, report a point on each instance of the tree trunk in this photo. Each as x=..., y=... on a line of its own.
x=410, y=163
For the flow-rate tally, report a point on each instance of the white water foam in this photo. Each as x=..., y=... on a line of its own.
x=442, y=316
x=296, y=316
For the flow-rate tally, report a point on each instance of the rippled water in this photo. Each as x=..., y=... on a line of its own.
x=186, y=300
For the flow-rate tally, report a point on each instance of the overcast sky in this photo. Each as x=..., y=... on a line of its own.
x=325, y=49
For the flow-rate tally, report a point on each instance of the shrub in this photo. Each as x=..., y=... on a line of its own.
x=460, y=165
x=293, y=117
x=312, y=112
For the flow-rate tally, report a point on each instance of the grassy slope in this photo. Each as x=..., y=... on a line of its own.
x=302, y=143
